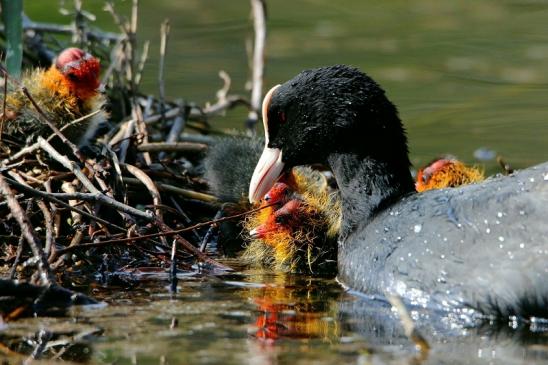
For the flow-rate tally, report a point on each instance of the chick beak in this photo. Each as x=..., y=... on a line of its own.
x=270, y=165
x=257, y=233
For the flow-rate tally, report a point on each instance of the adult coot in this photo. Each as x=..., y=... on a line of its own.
x=482, y=246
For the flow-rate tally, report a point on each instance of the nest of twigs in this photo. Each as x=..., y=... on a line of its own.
x=131, y=202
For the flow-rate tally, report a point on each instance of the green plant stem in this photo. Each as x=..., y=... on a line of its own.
x=12, y=16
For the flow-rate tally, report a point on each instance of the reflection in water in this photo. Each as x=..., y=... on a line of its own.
x=308, y=311
x=294, y=308
x=262, y=318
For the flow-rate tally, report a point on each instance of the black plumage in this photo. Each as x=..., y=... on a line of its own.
x=481, y=246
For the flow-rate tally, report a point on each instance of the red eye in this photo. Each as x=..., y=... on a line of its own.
x=281, y=117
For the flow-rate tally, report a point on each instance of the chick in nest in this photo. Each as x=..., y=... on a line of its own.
x=297, y=229
x=65, y=92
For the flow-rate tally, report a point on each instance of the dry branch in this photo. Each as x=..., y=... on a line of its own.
x=46, y=275
x=185, y=147
x=258, y=8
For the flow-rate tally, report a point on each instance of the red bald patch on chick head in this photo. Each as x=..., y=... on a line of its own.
x=277, y=195
x=285, y=219
x=81, y=71
x=69, y=55
x=426, y=173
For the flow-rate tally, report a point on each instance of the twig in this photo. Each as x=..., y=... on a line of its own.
x=51, y=197
x=211, y=230
x=46, y=275
x=68, y=164
x=148, y=106
x=179, y=191
x=68, y=187
x=75, y=121
x=224, y=100
x=67, y=29
x=189, y=247
x=4, y=104
x=134, y=16
x=132, y=37
x=141, y=128
x=59, y=260
x=103, y=199
x=98, y=196
x=142, y=62
x=185, y=217
x=18, y=253
x=43, y=337
x=189, y=147
x=124, y=28
x=173, y=268
x=80, y=24
x=197, y=138
x=259, y=26
x=228, y=103
x=123, y=241
x=210, y=110
x=20, y=247
x=408, y=325
x=178, y=124
x=130, y=30
x=55, y=211
x=48, y=224
x=506, y=167
x=48, y=221
x=126, y=142
x=164, y=36
x=149, y=184
x=115, y=55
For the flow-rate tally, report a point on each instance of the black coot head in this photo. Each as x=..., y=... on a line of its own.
x=332, y=109
x=336, y=109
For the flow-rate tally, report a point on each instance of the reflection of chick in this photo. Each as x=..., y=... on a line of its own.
x=291, y=308
x=298, y=231
x=446, y=173
x=68, y=90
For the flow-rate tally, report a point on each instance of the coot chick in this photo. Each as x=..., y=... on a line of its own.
x=226, y=167
x=228, y=164
x=297, y=229
x=66, y=91
x=447, y=172
x=481, y=246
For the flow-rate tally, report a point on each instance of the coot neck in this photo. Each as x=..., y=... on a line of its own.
x=367, y=186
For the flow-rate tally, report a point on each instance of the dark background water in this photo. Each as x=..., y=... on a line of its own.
x=464, y=75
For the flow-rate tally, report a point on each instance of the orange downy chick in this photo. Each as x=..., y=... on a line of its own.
x=66, y=91
x=446, y=173
x=297, y=231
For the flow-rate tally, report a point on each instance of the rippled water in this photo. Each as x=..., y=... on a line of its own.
x=464, y=75
x=258, y=318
